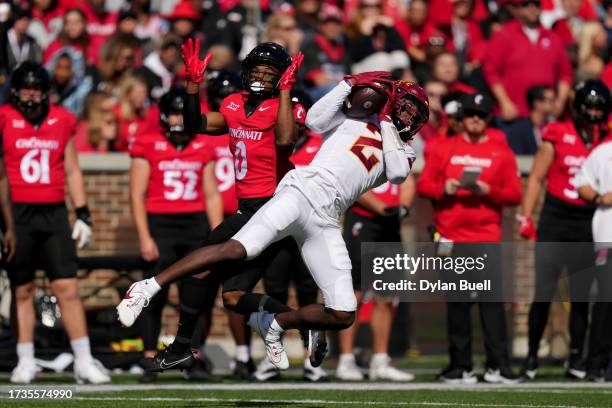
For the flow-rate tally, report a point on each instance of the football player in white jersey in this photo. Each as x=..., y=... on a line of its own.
x=356, y=155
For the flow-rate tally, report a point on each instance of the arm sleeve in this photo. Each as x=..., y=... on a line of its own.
x=397, y=155
x=195, y=122
x=326, y=113
x=508, y=193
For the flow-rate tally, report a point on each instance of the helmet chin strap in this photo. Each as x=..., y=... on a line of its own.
x=33, y=112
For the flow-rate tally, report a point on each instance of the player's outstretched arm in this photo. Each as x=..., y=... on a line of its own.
x=286, y=130
x=212, y=123
x=326, y=113
x=397, y=155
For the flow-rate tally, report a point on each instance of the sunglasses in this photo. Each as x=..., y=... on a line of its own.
x=530, y=3
x=371, y=6
x=475, y=113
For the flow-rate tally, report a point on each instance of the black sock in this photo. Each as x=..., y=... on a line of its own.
x=251, y=302
x=187, y=322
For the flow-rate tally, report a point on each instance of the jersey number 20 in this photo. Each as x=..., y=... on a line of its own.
x=360, y=144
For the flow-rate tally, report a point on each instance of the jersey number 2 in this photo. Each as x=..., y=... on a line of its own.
x=360, y=144
x=35, y=169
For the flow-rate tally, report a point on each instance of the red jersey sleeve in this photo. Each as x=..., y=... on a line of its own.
x=138, y=148
x=551, y=133
x=508, y=192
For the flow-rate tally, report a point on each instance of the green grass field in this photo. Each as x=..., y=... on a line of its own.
x=550, y=390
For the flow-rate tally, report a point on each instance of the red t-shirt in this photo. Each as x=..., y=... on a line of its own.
x=253, y=143
x=570, y=154
x=130, y=129
x=175, y=180
x=466, y=217
x=224, y=172
x=34, y=157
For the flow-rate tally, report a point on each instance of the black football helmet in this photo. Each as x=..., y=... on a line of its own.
x=172, y=102
x=591, y=94
x=220, y=84
x=33, y=76
x=270, y=54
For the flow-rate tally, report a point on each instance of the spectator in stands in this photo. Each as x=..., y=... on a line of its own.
x=435, y=91
x=471, y=213
x=282, y=28
x=223, y=58
x=159, y=67
x=416, y=30
x=149, y=26
x=183, y=19
x=524, y=54
x=308, y=16
x=18, y=44
x=525, y=134
x=326, y=61
x=374, y=43
x=446, y=69
x=134, y=111
x=46, y=20
x=238, y=28
x=97, y=128
x=73, y=35
x=467, y=41
x=101, y=23
x=69, y=85
x=117, y=59
x=453, y=116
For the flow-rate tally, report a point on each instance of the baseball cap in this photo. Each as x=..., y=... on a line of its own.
x=476, y=102
x=330, y=12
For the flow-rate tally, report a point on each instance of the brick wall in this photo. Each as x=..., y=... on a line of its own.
x=107, y=185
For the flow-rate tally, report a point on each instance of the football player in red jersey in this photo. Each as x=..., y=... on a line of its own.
x=262, y=131
x=171, y=177
x=40, y=155
x=565, y=217
x=375, y=217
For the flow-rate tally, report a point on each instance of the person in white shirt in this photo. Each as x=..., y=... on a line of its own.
x=356, y=155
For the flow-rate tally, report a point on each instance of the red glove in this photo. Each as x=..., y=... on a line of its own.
x=386, y=112
x=527, y=229
x=195, y=69
x=375, y=79
x=289, y=76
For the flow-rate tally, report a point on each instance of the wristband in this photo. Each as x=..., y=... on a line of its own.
x=83, y=214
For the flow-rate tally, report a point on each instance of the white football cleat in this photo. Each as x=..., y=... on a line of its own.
x=24, y=372
x=91, y=371
x=385, y=371
x=261, y=322
x=347, y=370
x=314, y=374
x=266, y=371
x=135, y=299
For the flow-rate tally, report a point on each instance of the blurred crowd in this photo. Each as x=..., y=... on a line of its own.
x=111, y=60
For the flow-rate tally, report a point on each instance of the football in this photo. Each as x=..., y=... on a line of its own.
x=364, y=101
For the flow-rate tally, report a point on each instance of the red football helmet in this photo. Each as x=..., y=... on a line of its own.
x=410, y=108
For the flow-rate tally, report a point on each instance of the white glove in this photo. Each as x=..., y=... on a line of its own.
x=81, y=232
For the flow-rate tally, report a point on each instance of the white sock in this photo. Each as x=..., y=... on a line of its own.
x=243, y=353
x=25, y=351
x=81, y=349
x=346, y=358
x=275, y=326
x=151, y=286
x=307, y=363
x=379, y=359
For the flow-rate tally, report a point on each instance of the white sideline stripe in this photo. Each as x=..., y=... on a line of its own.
x=357, y=386
x=313, y=401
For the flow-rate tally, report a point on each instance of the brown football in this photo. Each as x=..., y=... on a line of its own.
x=364, y=101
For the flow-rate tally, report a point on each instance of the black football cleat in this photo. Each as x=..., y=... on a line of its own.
x=317, y=347
x=243, y=371
x=167, y=359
